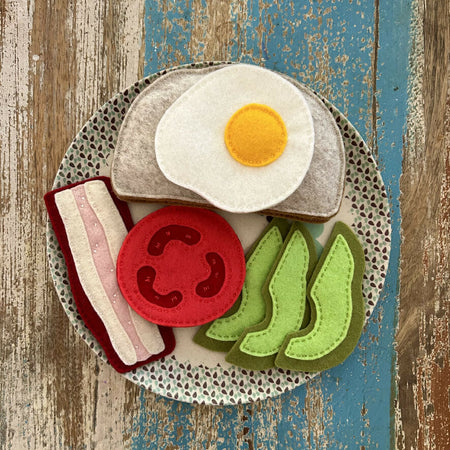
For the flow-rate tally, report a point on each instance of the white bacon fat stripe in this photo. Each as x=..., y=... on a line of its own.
x=95, y=232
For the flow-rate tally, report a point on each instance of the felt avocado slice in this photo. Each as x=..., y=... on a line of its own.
x=285, y=296
x=337, y=308
x=250, y=306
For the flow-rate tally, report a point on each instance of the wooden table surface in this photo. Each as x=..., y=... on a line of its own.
x=384, y=64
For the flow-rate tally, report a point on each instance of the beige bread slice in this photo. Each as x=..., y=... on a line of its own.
x=136, y=176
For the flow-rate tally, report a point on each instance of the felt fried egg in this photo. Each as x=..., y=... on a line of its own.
x=242, y=138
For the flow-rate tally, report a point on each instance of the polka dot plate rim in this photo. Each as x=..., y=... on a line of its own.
x=365, y=208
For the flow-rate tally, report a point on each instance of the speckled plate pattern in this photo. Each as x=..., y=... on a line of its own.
x=365, y=208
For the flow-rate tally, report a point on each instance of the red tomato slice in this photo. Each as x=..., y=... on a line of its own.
x=181, y=266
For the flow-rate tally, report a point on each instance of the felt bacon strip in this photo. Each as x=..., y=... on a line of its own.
x=90, y=224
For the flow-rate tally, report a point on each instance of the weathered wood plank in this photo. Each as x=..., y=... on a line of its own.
x=423, y=334
x=59, y=62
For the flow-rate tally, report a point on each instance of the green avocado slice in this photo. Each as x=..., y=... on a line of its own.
x=285, y=296
x=250, y=307
x=337, y=308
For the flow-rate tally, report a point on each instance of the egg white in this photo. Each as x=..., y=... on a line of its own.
x=191, y=151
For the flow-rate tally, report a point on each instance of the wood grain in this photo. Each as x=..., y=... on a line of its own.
x=59, y=61
x=423, y=334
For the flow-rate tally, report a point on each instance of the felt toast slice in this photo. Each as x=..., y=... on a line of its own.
x=337, y=308
x=136, y=175
x=249, y=308
x=286, y=307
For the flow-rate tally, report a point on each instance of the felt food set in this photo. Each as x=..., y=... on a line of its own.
x=219, y=233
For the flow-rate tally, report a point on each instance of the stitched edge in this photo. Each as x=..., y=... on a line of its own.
x=239, y=313
x=143, y=308
x=292, y=353
x=275, y=299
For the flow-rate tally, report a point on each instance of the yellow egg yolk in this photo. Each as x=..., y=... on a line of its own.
x=255, y=135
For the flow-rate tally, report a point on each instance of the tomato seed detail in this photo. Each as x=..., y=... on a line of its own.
x=169, y=233
x=211, y=286
x=145, y=279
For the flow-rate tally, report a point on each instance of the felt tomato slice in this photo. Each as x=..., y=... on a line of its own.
x=181, y=266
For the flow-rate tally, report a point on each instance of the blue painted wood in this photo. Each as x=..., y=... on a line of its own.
x=329, y=46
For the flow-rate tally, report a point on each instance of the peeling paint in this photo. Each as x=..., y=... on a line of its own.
x=422, y=409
